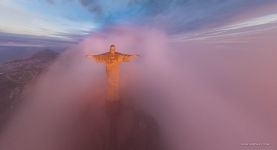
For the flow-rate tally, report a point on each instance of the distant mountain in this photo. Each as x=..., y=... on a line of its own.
x=14, y=75
x=35, y=63
x=10, y=53
x=45, y=54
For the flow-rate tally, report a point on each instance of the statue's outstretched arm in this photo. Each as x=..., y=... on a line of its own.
x=127, y=58
x=98, y=58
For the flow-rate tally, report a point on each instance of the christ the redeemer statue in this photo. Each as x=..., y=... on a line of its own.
x=112, y=60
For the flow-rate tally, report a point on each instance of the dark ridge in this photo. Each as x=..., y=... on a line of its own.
x=47, y=53
x=15, y=75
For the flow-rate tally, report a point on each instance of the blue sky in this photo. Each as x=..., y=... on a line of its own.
x=72, y=20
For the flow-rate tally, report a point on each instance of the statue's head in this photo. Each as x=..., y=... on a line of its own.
x=112, y=48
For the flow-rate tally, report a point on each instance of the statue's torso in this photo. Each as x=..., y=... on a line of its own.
x=112, y=65
x=112, y=62
x=112, y=59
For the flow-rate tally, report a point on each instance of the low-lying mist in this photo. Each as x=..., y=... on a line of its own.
x=203, y=96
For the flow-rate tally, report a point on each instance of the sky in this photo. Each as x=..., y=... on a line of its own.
x=52, y=22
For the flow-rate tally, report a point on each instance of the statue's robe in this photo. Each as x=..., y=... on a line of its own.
x=112, y=62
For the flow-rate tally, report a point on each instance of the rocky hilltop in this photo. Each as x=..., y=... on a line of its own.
x=125, y=128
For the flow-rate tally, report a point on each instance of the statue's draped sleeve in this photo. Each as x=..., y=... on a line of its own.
x=126, y=57
x=98, y=58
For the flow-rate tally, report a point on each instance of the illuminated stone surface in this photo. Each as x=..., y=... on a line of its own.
x=112, y=60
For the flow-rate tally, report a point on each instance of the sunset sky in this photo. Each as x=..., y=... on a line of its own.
x=35, y=22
